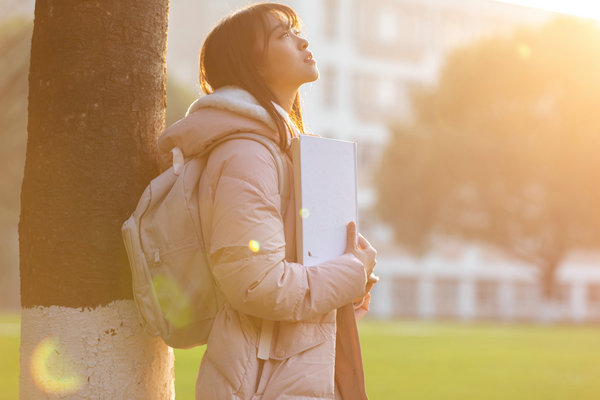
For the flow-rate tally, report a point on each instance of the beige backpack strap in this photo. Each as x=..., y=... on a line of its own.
x=264, y=342
x=178, y=160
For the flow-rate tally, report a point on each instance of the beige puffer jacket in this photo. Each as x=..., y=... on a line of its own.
x=239, y=203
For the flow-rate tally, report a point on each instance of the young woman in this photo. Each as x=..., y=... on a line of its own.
x=251, y=66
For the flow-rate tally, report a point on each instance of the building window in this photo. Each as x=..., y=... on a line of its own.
x=563, y=294
x=330, y=17
x=593, y=301
x=404, y=297
x=593, y=294
x=371, y=91
x=393, y=30
x=387, y=25
x=455, y=30
x=368, y=157
x=487, y=302
x=380, y=98
x=446, y=297
x=364, y=97
x=328, y=79
x=526, y=299
x=386, y=93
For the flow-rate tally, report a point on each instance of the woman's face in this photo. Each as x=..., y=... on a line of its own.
x=287, y=63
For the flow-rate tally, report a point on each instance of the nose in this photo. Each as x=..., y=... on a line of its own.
x=303, y=44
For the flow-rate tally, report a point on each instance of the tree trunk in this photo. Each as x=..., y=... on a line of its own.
x=96, y=107
x=550, y=296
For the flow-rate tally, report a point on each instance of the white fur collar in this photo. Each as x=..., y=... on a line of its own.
x=233, y=98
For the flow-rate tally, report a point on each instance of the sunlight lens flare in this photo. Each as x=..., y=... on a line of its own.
x=254, y=246
x=524, y=51
x=579, y=8
x=52, y=370
x=174, y=302
x=304, y=213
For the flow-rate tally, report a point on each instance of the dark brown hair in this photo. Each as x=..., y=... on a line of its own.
x=229, y=56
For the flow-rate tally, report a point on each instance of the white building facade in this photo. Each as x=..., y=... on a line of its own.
x=372, y=53
x=473, y=283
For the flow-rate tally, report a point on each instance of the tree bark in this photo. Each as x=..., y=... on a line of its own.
x=96, y=107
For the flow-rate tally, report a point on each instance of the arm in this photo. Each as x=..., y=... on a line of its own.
x=245, y=206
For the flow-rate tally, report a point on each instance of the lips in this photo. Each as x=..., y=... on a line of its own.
x=309, y=58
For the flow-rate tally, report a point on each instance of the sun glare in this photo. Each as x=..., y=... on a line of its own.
x=579, y=8
x=304, y=213
x=52, y=370
x=254, y=245
x=173, y=300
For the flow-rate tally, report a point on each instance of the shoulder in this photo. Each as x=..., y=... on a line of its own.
x=243, y=151
x=247, y=160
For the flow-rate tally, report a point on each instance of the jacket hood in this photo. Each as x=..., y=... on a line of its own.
x=225, y=111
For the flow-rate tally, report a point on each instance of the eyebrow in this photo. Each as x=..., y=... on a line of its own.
x=281, y=26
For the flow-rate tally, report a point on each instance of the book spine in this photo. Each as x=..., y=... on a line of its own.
x=356, y=188
x=296, y=150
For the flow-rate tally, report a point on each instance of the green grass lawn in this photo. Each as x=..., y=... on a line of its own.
x=436, y=361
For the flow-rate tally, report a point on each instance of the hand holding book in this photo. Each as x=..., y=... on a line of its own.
x=361, y=248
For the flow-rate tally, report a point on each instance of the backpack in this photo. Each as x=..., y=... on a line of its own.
x=173, y=286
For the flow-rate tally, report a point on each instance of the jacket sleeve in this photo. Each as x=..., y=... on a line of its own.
x=246, y=242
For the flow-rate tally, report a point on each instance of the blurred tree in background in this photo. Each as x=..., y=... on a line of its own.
x=15, y=44
x=179, y=98
x=504, y=149
x=15, y=39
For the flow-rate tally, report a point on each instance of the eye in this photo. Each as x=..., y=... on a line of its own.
x=291, y=31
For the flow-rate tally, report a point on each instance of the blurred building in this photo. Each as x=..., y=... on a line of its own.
x=370, y=54
x=12, y=8
x=477, y=283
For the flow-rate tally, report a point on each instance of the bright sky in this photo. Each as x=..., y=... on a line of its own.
x=580, y=8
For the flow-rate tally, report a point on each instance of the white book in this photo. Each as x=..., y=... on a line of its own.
x=325, y=183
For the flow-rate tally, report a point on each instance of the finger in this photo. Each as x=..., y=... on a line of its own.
x=363, y=243
x=359, y=313
x=367, y=302
x=358, y=302
x=363, y=309
x=373, y=278
x=369, y=286
x=351, y=236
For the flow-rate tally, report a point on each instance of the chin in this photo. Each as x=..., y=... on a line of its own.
x=313, y=76
x=317, y=75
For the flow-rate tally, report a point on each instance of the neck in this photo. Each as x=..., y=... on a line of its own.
x=285, y=98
